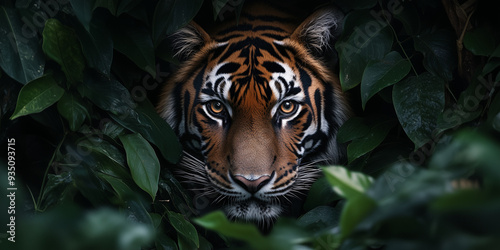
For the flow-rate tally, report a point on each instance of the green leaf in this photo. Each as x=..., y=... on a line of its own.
x=347, y=183
x=21, y=56
x=353, y=128
x=370, y=39
x=61, y=44
x=183, y=227
x=71, y=107
x=170, y=15
x=96, y=144
x=134, y=41
x=383, y=73
x=320, y=193
x=369, y=141
x=320, y=219
x=439, y=50
x=37, y=95
x=480, y=40
x=355, y=210
x=418, y=101
x=218, y=222
x=143, y=163
x=113, y=97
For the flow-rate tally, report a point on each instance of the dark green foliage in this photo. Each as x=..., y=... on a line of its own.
x=79, y=78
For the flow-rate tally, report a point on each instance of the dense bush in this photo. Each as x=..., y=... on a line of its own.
x=79, y=80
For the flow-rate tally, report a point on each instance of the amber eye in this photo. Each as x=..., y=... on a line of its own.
x=216, y=107
x=288, y=107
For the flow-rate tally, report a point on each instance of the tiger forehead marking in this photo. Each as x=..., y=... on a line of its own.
x=256, y=110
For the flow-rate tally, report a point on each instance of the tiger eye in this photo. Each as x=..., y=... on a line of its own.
x=216, y=107
x=287, y=107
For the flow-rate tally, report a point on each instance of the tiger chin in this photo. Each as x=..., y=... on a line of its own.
x=256, y=109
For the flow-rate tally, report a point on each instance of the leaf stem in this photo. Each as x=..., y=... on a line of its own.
x=399, y=42
x=44, y=180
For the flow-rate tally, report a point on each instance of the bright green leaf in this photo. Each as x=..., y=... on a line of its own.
x=71, y=107
x=439, y=50
x=61, y=44
x=383, y=73
x=347, y=183
x=354, y=211
x=143, y=163
x=418, y=101
x=183, y=227
x=20, y=54
x=218, y=222
x=37, y=95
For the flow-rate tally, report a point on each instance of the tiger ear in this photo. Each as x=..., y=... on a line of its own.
x=188, y=40
x=320, y=30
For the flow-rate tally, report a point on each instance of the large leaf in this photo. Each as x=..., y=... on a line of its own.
x=347, y=183
x=418, y=102
x=184, y=227
x=438, y=47
x=383, y=73
x=61, y=45
x=353, y=128
x=71, y=107
x=143, y=163
x=354, y=211
x=369, y=141
x=37, y=95
x=370, y=39
x=21, y=56
x=218, y=222
x=480, y=41
x=170, y=15
x=113, y=97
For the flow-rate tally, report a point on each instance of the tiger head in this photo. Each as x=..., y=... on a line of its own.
x=256, y=110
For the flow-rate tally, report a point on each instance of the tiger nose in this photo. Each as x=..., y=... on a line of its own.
x=252, y=184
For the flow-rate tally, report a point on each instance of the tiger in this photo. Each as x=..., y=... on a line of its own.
x=257, y=109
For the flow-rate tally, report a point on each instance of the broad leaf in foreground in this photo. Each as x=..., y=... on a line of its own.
x=143, y=163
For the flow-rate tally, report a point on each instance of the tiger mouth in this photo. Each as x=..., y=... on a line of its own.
x=253, y=210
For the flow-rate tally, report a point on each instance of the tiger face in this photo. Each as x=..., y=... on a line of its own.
x=256, y=110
